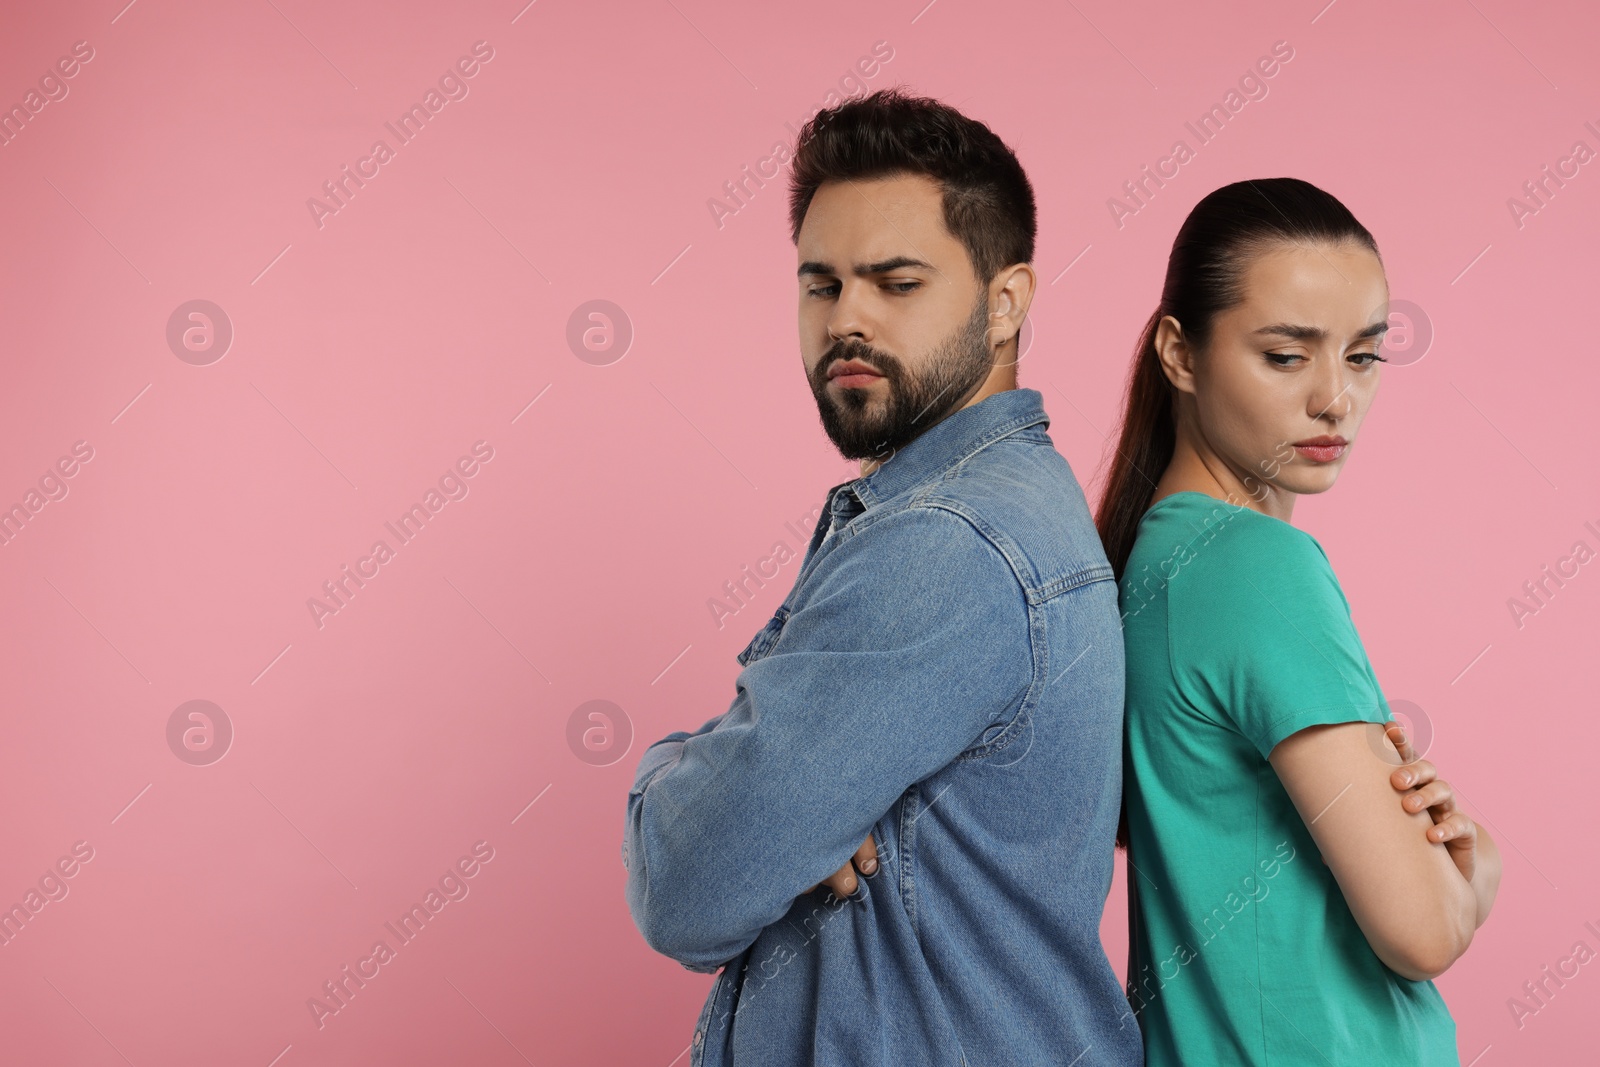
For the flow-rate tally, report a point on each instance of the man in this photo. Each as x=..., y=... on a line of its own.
x=942, y=689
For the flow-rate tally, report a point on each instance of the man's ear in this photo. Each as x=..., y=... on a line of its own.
x=1010, y=294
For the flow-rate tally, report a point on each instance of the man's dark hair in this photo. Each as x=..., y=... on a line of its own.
x=988, y=202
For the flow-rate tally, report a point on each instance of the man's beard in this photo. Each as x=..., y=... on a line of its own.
x=863, y=425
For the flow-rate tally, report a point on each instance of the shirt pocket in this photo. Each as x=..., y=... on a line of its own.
x=765, y=637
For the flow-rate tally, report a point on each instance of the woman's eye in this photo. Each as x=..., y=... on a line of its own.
x=1281, y=359
x=1369, y=357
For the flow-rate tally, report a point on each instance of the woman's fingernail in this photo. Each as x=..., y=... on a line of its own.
x=869, y=866
x=1405, y=777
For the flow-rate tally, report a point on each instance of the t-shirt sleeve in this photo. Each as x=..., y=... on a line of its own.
x=1261, y=636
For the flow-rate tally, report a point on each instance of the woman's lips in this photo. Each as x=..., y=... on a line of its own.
x=1321, y=453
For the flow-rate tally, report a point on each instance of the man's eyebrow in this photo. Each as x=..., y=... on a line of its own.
x=883, y=266
x=1317, y=333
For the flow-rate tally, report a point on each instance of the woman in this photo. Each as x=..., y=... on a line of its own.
x=1284, y=909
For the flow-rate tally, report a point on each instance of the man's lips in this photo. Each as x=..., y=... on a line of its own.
x=852, y=373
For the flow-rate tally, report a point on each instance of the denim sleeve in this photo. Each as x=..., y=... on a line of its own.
x=912, y=639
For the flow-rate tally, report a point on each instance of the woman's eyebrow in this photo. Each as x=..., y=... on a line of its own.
x=1317, y=333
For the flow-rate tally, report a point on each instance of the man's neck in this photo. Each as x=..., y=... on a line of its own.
x=1002, y=378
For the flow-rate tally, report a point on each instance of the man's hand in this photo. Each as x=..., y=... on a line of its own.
x=843, y=881
x=1424, y=789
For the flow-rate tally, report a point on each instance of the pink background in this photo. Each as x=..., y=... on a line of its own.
x=371, y=352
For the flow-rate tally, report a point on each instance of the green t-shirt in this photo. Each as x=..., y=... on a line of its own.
x=1243, y=948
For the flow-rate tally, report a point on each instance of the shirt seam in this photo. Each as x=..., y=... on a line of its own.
x=1012, y=727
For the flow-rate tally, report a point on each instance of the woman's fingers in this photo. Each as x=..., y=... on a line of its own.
x=1456, y=828
x=1416, y=773
x=1402, y=743
x=1459, y=835
x=1436, y=797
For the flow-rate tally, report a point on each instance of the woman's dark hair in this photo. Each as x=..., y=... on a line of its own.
x=1205, y=275
x=988, y=202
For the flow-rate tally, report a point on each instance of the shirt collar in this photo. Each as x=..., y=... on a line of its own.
x=944, y=444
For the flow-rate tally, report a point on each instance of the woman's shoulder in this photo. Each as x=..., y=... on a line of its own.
x=1221, y=559
x=1192, y=524
x=1257, y=624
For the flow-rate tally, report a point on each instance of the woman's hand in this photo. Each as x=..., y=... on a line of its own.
x=1424, y=790
x=843, y=881
x=1471, y=848
x=1415, y=909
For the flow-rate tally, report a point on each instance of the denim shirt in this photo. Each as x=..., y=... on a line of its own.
x=946, y=675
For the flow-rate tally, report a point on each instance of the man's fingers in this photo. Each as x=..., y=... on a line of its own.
x=866, y=857
x=843, y=881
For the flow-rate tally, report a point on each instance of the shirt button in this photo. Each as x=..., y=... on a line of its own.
x=697, y=1037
